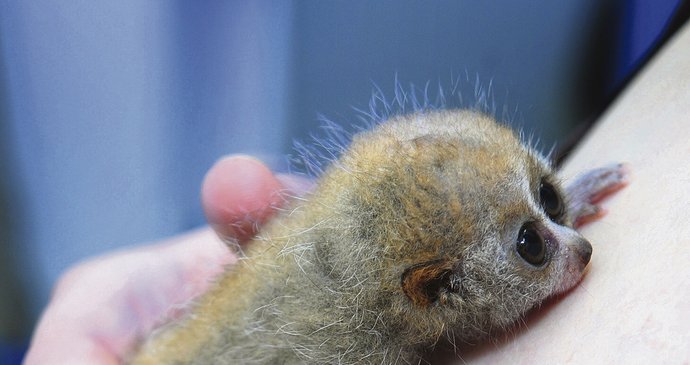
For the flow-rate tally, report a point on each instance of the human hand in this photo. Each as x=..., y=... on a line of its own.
x=102, y=307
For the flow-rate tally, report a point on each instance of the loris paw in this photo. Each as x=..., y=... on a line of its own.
x=590, y=188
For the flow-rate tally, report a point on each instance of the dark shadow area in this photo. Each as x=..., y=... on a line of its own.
x=599, y=82
x=14, y=317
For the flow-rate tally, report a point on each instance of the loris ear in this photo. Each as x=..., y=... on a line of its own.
x=424, y=283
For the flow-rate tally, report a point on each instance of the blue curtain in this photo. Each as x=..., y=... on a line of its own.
x=115, y=110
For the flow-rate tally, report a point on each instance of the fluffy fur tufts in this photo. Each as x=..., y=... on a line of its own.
x=324, y=148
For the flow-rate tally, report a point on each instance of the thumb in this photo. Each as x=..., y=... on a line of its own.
x=240, y=193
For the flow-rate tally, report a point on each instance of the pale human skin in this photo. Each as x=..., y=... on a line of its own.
x=101, y=307
x=633, y=306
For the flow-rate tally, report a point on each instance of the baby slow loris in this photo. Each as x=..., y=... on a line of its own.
x=432, y=224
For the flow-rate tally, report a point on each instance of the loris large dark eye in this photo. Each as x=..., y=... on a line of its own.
x=531, y=245
x=550, y=201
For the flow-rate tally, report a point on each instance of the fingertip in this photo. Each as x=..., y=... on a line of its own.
x=586, y=220
x=625, y=170
x=237, y=194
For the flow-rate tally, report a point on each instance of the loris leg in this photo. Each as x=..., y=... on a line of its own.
x=590, y=188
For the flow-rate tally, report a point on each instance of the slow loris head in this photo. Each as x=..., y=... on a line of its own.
x=468, y=226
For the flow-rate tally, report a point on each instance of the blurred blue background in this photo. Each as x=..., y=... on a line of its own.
x=112, y=111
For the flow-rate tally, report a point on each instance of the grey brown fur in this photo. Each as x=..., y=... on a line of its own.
x=409, y=237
